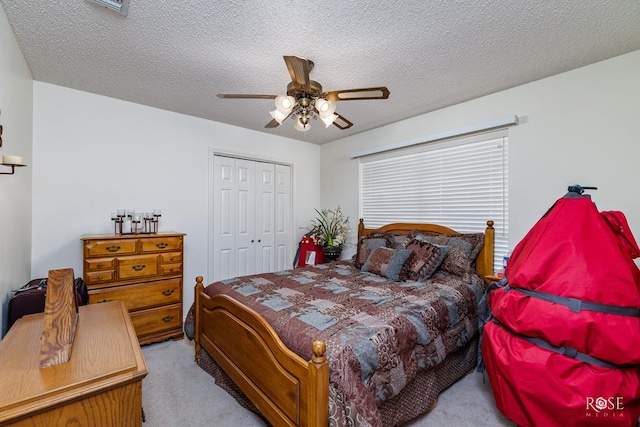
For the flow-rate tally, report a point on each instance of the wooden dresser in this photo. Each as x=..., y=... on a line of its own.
x=100, y=385
x=144, y=271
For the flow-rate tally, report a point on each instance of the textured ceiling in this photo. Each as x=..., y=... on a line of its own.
x=177, y=55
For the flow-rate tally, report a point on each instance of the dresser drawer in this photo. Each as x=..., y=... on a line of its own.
x=97, y=264
x=137, y=266
x=171, y=258
x=141, y=295
x=170, y=269
x=98, y=277
x=96, y=248
x=161, y=244
x=157, y=319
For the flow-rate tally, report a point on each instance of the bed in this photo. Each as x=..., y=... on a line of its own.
x=366, y=342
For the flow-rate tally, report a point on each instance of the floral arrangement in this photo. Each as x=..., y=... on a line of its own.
x=330, y=228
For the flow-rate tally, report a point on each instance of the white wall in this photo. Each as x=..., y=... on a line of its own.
x=94, y=155
x=581, y=127
x=16, y=115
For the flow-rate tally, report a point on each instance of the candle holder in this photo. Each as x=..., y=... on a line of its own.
x=118, y=220
x=130, y=222
x=151, y=223
x=135, y=224
x=155, y=219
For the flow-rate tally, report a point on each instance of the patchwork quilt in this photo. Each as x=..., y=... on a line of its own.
x=379, y=333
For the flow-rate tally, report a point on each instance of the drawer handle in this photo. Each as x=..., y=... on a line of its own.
x=171, y=259
x=100, y=277
x=162, y=245
x=100, y=265
x=167, y=292
x=171, y=270
x=113, y=248
x=167, y=319
x=139, y=267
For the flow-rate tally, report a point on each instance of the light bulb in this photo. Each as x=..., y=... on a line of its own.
x=278, y=116
x=325, y=108
x=285, y=104
x=299, y=126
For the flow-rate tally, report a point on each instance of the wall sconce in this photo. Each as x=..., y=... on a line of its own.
x=11, y=161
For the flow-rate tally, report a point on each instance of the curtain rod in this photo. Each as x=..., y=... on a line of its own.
x=500, y=123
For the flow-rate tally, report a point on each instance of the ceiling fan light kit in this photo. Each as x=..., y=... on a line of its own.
x=278, y=116
x=305, y=100
x=328, y=121
x=300, y=126
x=285, y=104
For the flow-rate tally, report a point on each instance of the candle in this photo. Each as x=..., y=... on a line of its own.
x=12, y=160
x=126, y=226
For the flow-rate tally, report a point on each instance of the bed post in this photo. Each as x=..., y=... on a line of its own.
x=484, y=263
x=196, y=305
x=319, y=380
x=360, y=229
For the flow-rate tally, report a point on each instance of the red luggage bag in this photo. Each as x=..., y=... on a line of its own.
x=562, y=348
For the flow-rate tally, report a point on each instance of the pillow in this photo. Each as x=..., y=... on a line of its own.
x=464, y=248
x=368, y=244
x=388, y=262
x=457, y=262
x=427, y=259
x=400, y=241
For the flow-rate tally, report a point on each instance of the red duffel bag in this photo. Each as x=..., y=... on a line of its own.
x=563, y=347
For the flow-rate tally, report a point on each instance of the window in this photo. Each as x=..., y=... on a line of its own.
x=459, y=183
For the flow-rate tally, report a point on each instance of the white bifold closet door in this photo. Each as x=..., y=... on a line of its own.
x=252, y=231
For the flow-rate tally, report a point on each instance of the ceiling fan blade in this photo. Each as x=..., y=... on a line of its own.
x=299, y=68
x=342, y=123
x=272, y=124
x=245, y=96
x=354, y=94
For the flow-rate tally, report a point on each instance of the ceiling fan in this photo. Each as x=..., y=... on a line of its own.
x=305, y=99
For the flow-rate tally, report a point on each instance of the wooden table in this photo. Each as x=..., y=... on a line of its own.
x=100, y=385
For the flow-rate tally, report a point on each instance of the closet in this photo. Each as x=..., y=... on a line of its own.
x=251, y=217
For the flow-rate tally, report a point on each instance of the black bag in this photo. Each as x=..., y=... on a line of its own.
x=31, y=298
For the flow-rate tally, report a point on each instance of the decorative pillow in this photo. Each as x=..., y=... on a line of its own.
x=400, y=241
x=464, y=248
x=457, y=262
x=368, y=244
x=388, y=262
x=424, y=235
x=427, y=259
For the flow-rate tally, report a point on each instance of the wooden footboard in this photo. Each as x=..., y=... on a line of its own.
x=287, y=390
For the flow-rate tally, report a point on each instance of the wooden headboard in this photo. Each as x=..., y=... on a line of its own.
x=484, y=261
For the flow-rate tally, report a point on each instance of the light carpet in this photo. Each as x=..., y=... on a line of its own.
x=177, y=392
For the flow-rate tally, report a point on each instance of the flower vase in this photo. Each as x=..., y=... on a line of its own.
x=331, y=253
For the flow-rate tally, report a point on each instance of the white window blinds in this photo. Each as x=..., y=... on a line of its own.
x=459, y=183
